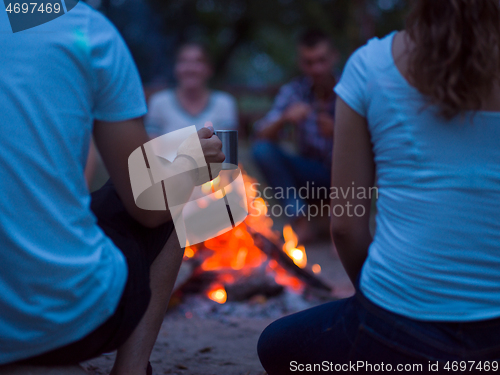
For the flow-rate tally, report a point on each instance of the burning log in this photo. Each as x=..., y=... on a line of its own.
x=244, y=288
x=188, y=271
x=250, y=286
x=199, y=281
x=273, y=249
x=250, y=260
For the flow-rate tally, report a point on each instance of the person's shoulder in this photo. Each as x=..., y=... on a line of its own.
x=377, y=42
x=80, y=17
x=162, y=96
x=374, y=51
x=296, y=82
x=82, y=9
x=296, y=85
x=163, y=93
x=223, y=97
x=376, y=45
x=99, y=25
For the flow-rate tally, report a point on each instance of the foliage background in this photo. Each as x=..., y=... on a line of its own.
x=252, y=42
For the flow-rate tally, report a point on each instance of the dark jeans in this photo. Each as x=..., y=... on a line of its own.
x=283, y=170
x=140, y=246
x=340, y=333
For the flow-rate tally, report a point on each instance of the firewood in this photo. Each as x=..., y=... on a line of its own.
x=273, y=249
x=250, y=286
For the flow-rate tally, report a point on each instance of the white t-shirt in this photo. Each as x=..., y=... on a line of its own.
x=165, y=113
x=61, y=277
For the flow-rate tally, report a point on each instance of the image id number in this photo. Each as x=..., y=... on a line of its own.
x=33, y=7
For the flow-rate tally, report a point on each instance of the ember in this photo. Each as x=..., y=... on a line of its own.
x=218, y=294
x=316, y=268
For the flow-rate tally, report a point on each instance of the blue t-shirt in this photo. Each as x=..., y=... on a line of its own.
x=436, y=250
x=61, y=277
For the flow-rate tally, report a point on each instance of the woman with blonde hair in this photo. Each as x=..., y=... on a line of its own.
x=418, y=115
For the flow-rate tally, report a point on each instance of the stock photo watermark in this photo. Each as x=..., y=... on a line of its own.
x=170, y=172
x=25, y=15
x=296, y=200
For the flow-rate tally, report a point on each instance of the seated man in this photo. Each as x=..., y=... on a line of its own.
x=307, y=103
x=80, y=276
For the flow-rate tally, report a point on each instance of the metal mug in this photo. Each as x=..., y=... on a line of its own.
x=229, y=139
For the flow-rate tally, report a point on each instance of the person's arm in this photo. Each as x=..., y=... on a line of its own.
x=118, y=107
x=117, y=140
x=325, y=124
x=272, y=130
x=294, y=114
x=353, y=161
x=287, y=108
x=91, y=165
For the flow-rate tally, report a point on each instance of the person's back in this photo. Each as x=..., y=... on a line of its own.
x=419, y=118
x=435, y=254
x=61, y=276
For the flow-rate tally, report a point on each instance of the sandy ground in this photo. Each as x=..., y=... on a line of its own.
x=201, y=346
x=209, y=346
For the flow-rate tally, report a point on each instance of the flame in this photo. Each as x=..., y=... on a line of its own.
x=259, y=205
x=235, y=253
x=189, y=252
x=239, y=261
x=216, y=182
x=233, y=250
x=211, y=186
x=289, y=235
x=296, y=253
x=219, y=194
x=206, y=188
x=282, y=277
x=218, y=294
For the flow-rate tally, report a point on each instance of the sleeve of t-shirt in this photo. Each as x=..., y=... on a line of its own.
x=117, y=89
x=352, y=87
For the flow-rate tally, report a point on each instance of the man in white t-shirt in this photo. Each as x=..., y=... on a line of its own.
x=80, y=275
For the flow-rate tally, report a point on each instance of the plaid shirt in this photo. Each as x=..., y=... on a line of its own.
x=311, y=143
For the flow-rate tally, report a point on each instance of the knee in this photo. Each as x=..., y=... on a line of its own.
x=269, y=346
x=262, y=151
x=264, y=347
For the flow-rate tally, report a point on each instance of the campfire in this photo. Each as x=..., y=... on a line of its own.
x=250, y=261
